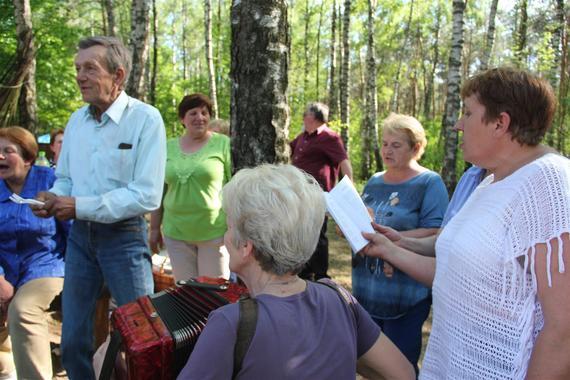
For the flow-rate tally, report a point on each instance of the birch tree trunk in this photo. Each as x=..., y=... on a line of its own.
x=521, y=35
x=429, y=98
x=344, y=106
x=210, y=56
x=563, y=85
x=396, y=96
x=490, y=38
x=318, y=62
x=184, y=50
x=139, y=41
x=259, y=113
x=453, y=100
x=26, y=58
x=111, y=24
x=333, y=89
x=152, y=92
x=306, y=51
x=219, y=41
x=370, y=124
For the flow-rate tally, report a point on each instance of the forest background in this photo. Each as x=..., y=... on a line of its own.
x=385, y=55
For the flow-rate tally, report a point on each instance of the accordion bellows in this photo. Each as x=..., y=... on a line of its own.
x=159, y=331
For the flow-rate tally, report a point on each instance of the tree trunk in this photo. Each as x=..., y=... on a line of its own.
x=521, y=35
x=344, y=106
x=140, y=25
x=210, y=55
x=453, y=100
x=306, y=51
x=103, y=19
x=259, y=113
x=111, y=24
x=152, y=91
x=25, y=57
x=333, y=89
x=490, y=38
x=219, y=46
x=396, y=96
x=318, y=62
x=563, y=85
x=184, y=50
x=370, y=130
x=429, y=112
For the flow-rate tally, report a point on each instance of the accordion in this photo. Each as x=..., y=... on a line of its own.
x=159, y=331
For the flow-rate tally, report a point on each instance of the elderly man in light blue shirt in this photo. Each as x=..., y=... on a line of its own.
x=110, y=172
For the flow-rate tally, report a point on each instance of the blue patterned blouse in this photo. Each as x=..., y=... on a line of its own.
x=419, y=202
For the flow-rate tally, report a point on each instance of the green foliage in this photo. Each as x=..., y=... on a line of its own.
x=59, y=24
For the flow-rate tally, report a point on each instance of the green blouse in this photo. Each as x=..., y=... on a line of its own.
x=192, y=203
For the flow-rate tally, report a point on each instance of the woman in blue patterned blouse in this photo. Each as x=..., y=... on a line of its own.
x=411, y=199
x=31, y=259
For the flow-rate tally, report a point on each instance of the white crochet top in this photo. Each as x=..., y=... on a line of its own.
x=486, y=313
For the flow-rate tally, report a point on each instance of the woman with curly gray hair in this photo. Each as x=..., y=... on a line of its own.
x=304, y=330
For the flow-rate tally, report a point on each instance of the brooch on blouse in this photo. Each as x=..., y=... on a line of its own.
x=393, y=199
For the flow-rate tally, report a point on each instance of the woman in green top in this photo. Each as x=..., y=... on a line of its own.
x=193, y=223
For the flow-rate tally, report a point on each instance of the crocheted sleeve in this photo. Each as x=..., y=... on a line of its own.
x=542, y=212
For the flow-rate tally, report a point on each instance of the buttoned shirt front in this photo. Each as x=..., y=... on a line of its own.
x=114, y=167
x=319, y=153
x=30, y=247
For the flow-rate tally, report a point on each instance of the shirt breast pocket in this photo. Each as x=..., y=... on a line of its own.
x=120, y=165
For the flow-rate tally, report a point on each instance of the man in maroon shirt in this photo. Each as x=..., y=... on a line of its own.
x=319, y=151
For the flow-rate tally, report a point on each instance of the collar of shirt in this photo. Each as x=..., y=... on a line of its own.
x=317, y=131
x=27, y=191
x=4, y=191
x=115, y=111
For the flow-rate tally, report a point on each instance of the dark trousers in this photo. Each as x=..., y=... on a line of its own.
x=406, y=331
x=318, y=265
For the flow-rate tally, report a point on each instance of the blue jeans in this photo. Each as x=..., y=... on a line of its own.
x=406, y=332
x=115, y=255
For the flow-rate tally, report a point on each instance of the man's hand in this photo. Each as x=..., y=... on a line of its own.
x=155, y=240
x=41, y=211
x=6, y=294
x=6, y=291
x=62, y=208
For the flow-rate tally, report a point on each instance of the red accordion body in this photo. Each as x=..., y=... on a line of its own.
x=159, y=331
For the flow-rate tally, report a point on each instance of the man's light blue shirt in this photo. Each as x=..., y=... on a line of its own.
x=114, y=168
x=468, y=182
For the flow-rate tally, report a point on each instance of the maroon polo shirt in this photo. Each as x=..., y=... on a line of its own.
x=319, y=154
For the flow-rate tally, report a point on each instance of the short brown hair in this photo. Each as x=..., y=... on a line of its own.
x=192, y=101
x=24, y=139
x=54, y=134
x=529, y=101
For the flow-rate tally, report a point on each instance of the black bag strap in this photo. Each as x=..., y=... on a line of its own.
x=342, y=292
x=111, y=355
x=246, y=330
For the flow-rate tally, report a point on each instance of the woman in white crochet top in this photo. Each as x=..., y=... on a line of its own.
x=500, y=295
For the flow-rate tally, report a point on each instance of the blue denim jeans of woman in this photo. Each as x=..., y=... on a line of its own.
x=406, y=332
x=115, y=255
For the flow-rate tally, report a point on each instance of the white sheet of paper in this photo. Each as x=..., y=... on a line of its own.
x=349, y=212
